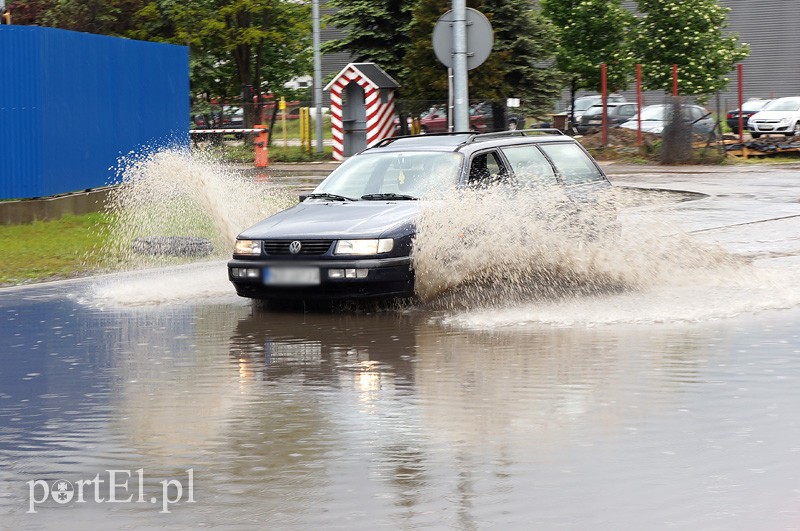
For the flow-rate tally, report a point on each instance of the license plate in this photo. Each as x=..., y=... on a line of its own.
x=291, y=276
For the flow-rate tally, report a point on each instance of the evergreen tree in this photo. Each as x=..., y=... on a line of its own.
x=690, y=34
x=520, y=64
x=376, y=31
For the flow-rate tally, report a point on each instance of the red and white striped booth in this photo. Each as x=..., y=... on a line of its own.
x=362, y=108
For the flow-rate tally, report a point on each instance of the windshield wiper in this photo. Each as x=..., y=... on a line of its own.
x=388, y=196
x=326, y=195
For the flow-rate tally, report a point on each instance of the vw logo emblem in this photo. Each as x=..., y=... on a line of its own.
x=295, y=247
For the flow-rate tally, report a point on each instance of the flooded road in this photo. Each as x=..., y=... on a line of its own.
x=671, y=407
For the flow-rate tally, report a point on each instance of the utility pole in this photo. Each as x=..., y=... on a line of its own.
x=460, y=87
x=317, y=74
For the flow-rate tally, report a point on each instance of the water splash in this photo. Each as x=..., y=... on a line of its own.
x=488, y=248
x=175, y=193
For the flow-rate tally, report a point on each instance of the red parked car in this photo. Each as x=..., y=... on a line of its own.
x=435, y=121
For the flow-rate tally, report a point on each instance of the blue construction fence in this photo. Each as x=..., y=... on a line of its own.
x=71, y=104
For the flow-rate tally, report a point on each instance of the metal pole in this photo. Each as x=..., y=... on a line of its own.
x=317, y=75
x=639, y=105
x=674, y=80
x=450, y=108
x=460, y=87
x=604, y=100
x=740, y=87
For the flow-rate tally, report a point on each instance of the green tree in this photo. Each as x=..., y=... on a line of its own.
x=375, y=31
x=520, y=64
x=592, y=33
x=526, y=42
x=238, y=47
x=690, y=34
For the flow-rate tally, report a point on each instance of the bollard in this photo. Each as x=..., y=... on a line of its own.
x=260, y=145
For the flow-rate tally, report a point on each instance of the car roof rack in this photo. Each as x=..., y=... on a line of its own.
x=388, y=140
x=478, y=137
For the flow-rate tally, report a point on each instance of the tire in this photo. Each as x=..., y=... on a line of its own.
x=173, y=246
x=423, y=129
x=512, y=125
x=795, y=130
x=755, y=135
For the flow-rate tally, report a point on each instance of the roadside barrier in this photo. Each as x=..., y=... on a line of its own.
x=259, y=143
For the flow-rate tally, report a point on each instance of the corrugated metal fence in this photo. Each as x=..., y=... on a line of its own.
x=72, y=103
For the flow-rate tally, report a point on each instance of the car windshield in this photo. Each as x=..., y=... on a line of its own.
x=754, y=105
x=783, y=104
x=583, y=104
x=393, y=175
x=598, y=110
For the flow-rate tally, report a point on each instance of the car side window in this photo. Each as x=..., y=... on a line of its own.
x=530, y=166
x=627, y=110
x=485, y=169
x=572, y=163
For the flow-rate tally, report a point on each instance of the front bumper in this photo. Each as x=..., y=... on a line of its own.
x=384, y=278
x=769, y=127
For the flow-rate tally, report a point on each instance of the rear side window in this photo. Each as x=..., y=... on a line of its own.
x=530, y=166
x=572, y=163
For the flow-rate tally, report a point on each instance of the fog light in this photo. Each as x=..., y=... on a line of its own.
x=350, y=273
x=335, y=273
x=252, y=273
x=362, y=273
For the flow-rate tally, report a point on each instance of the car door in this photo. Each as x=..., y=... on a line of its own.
x=584, y=183
x=529, y=166
x=486, y=168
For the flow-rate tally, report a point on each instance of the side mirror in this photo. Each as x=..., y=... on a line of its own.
x=302, y=197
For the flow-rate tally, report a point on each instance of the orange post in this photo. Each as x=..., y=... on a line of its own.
x=260, y=143
x=674, y=80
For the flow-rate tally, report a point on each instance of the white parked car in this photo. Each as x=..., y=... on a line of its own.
x=781, y=117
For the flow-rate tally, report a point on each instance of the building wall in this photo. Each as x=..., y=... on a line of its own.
x=72, y=103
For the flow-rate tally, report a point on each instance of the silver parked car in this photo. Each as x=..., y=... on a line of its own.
x=655, y=117
x=781, y=116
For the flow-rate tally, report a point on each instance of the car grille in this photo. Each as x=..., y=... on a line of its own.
x=307, y=247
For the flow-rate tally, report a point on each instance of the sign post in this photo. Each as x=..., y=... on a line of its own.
x=479, y=38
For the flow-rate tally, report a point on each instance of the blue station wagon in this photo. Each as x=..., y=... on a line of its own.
x=352, y=237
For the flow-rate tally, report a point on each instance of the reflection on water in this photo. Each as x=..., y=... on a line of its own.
x=395, y=420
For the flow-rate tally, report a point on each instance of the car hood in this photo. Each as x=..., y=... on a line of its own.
x=647, y=125
x=774, y=115
x=335, y=219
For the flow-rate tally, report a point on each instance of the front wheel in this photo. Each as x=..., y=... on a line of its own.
x=755, y=135
x=512, y=125
x=795, y=130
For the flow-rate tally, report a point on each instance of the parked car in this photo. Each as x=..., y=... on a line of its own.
x=583, y=103
x=655, y=118
x=780, y=116
x=616, y=115
x=232, y=117
x=352, y=236
x=435, y=121
x=749, y=108
x=509, y=121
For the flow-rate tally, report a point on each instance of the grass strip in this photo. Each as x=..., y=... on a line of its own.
x=50, y=250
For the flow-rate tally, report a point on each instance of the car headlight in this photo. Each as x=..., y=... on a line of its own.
x=785, y=121
x=247, y=247
x=364, y=247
